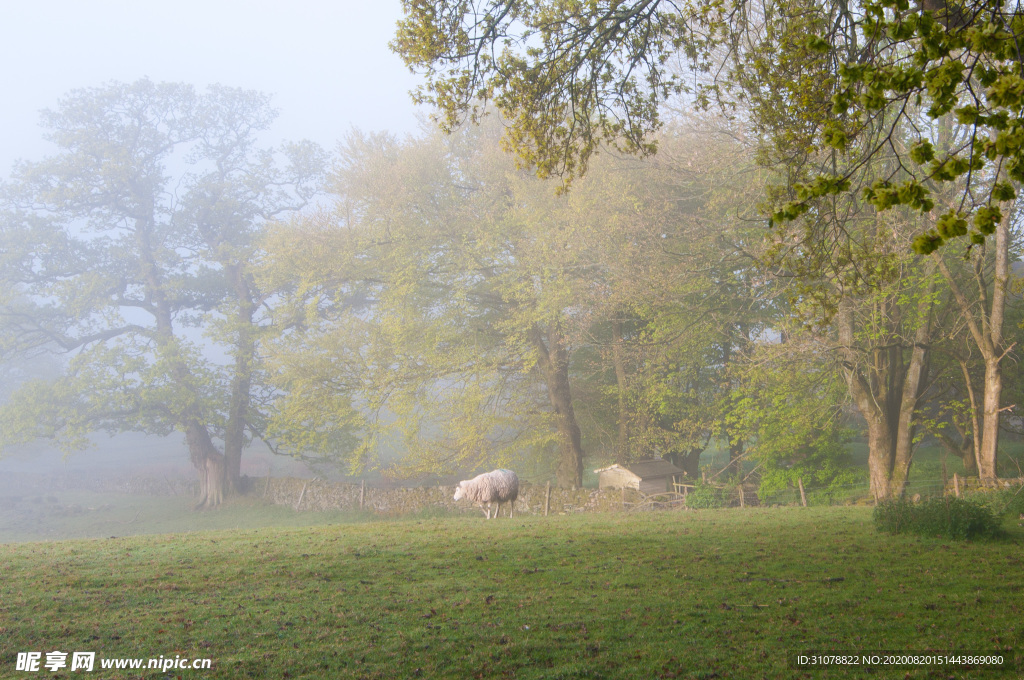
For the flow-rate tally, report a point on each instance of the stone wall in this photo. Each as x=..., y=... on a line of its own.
x=967, y=484
x=303, y=494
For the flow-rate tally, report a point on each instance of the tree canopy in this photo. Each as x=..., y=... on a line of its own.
x=127, y=245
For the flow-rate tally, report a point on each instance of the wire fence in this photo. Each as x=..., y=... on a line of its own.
x=716, y=495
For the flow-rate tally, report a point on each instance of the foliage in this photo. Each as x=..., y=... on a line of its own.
x=789, y=405
x=450, y=295
x=132, y=242
x=706, y=496
x=567, y=76
x=906, y=70
x=1007, y=502
x=937, y=517
x=426, y=298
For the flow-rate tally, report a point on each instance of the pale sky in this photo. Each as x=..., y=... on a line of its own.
x=326, y=62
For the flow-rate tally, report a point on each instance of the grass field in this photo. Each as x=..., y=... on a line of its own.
x=707, y=594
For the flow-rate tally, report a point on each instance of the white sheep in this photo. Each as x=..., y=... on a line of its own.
x=498, y=486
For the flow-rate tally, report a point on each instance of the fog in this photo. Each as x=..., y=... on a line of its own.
x=389, y=298
x=326, y=63
x=328, y=68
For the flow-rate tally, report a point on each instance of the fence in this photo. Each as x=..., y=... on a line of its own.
x=534, y=499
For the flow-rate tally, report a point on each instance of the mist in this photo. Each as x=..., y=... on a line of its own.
x=327, y=68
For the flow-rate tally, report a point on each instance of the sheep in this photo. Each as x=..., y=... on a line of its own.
x=498, y=486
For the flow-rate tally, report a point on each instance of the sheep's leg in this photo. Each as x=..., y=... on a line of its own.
x=511, y=509
x=487, y=510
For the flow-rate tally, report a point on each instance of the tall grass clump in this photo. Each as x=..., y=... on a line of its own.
x=937, y=517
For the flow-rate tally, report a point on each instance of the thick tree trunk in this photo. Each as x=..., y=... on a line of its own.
x=209, y=464
x=207, y=460
x=622, y=450
x=880, y=456
x=688, y=461
x=886, y=391
x=553, y=359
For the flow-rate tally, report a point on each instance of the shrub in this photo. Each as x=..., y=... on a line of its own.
x=1002, y=502
x=938, y=517
x=705, y=496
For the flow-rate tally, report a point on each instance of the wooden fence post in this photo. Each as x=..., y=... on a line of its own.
x=547, y=498
x=301, y=496
x=803, y=497
x=742, y=500
x=956, y=484
x=362, y=493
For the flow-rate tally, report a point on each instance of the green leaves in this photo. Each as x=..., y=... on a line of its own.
x=567, y=77
x=1003, y=191
x=834, y=136
x=924, y=67
x=922, y=152
x=1007, y=91
x=986, y=220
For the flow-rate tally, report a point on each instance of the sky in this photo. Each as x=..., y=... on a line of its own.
x=326, y=62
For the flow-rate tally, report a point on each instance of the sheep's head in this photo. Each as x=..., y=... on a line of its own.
x=458, y=491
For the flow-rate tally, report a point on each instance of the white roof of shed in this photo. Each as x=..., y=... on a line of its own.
x=650, y=468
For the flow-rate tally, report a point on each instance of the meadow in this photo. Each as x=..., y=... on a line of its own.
x=675, y=594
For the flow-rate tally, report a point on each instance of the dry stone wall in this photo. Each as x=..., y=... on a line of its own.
x=960, y=485
x=305, y=494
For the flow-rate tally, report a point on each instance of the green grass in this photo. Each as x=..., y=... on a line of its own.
x=710, y=594
x=86, y=514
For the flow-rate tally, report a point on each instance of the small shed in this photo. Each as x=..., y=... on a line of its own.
x=652, y=475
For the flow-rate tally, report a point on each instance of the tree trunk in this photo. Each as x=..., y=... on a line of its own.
x=622, y=450
x=985, y=323
x=880, y=457
x=234, y=434
x=987, y=456
x=735, y=455
x=209, y=464
x=913, y=389
x=971, y=469
x=688, y=461
x=238, y=411
x=553, y=359
x=241, y=381
x=207, y=460
x=886, y=391
x=964, y=450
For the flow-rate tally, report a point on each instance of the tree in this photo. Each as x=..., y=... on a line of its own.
x=467, y=274
x=135, y=237
x=790, y=404
x=927, y=90
x=566, y=76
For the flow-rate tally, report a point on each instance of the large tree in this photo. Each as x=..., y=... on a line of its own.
x=132, y=242
x=467, y=271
